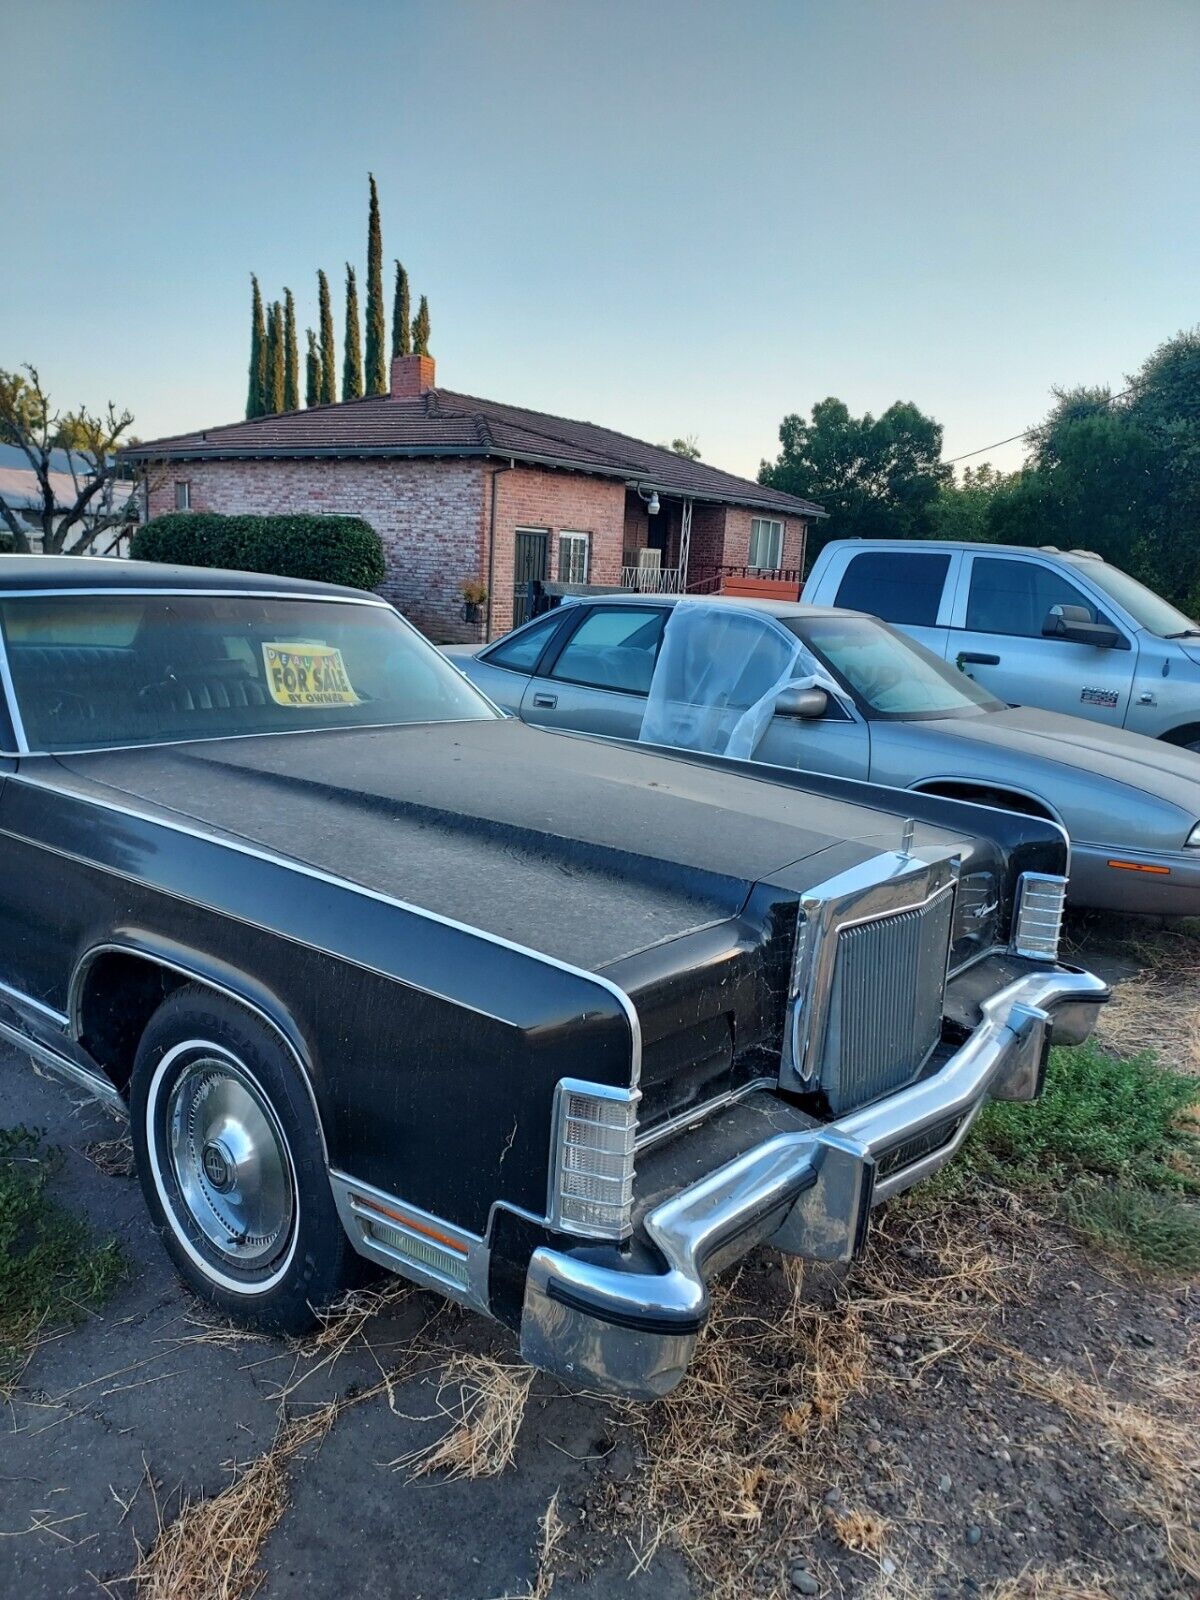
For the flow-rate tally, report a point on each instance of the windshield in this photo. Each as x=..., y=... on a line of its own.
x=92, y=671
x=1148, y=610
x=889, y=674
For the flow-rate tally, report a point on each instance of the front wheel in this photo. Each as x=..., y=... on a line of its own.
x=232, y=1166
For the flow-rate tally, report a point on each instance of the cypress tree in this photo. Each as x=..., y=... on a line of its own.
x=352, y=374
x=291, y=356
x=312, y=371
x=376, y=363
x=420, y=329
x=401, y=316
x=256, y=393
x=328, y=345
x=275, y=358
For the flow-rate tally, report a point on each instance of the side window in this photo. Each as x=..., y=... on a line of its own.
x=897, y=585
x=520, y=652
x=1014, y=597
x=614, y=648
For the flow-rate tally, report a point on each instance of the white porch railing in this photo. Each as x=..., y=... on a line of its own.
x=653, y=580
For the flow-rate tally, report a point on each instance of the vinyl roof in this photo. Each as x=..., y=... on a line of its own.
x=443, y=423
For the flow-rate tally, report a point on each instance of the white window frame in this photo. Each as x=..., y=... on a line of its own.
x=772, y=529
x=572, y=540
x=184, y=485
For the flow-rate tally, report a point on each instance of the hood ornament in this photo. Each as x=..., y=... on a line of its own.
x=906, y=837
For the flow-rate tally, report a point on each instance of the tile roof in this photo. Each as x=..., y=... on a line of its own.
x=443, y=423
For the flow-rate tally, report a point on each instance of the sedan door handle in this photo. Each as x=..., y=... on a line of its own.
x=545, y=702
x=975, y=659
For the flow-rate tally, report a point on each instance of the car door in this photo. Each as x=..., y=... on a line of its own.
x=598, y=678
x=503, y=670
x=914, y=589
x=1002, y=603
x=837, y=743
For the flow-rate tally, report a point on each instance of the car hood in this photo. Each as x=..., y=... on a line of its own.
x=574, y=846
x=1163, y=770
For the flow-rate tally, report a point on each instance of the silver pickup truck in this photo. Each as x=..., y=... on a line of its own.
x=1059, y=629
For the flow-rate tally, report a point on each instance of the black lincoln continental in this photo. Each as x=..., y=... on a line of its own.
x=546, y=1022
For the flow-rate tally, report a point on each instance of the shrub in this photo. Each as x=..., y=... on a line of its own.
x=329, y=549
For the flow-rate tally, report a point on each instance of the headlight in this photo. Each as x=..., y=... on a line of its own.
x=591, y=1178
x=1193, y=838
x=1037, y=924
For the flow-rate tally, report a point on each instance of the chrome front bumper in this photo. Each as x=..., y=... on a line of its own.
x=807, y=1192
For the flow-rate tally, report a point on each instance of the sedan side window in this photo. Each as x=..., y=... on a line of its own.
x=614, y=648
x=1015, y=597
x=897, y=585
x=522, y=652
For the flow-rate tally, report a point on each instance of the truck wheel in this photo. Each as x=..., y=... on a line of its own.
x=232, y=1166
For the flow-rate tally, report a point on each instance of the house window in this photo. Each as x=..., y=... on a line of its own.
x=573, y=551
x=766, y=544
x=183, y=496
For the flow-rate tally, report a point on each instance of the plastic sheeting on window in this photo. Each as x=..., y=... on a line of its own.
x=718, y=675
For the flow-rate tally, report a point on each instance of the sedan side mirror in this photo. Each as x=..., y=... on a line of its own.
x=807, y=703
x=1075, y=623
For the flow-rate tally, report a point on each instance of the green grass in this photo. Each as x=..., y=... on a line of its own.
x=52, y=1272
x=1108, y=1147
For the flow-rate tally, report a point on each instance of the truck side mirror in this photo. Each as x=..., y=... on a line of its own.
x=1075, y=623
x=807, y=703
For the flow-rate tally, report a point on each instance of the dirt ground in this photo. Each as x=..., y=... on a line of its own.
x=979, y=1407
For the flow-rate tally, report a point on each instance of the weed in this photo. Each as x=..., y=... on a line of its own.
x=51, y=1270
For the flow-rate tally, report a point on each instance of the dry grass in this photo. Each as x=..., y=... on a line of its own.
x=486, y=1411
x=1055, y=1583
x=211, y=1549
x=1157, y=1012
x=1161, y=1446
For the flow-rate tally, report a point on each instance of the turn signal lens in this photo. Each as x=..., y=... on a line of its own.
x=1038, y=922
x=591, y=1186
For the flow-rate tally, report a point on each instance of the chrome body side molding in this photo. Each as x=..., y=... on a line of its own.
x=54, y=1061
x=411, y=1242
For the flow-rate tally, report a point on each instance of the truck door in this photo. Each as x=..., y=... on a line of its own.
x=1002, y=605
x=912, y=588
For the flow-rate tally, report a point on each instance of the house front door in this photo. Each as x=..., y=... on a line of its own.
x=531, y=562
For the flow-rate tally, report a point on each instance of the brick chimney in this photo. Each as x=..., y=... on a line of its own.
x=412, y=376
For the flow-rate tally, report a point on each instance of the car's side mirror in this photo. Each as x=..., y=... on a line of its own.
x=1075, y=623
x=807, y=703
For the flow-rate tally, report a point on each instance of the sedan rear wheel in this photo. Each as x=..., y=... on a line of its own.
x=232, y=1165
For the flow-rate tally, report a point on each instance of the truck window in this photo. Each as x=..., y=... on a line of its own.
x=897, y=585
x=1014, y=597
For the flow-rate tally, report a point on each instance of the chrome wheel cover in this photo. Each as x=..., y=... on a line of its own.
x=230, y=1162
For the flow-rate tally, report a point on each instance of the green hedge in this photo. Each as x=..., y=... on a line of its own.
x=330, y=549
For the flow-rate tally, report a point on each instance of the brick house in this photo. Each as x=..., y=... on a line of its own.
x=463, y=489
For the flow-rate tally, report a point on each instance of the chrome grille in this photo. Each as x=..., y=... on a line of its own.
x=885, y=1007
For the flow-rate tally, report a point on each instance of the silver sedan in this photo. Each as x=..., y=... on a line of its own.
x=878, y=706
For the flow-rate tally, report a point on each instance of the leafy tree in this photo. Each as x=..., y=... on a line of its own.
x=420, y=329
x=878, y=478
x=275, y=362
x=312, y=371
x=961, y=509
x=1119, y=474
x=401, y=316
x=291, y=355
x=69, y=521
x=328, y=344
x=376, y=374
x=352, y=372
x=256, y=396
x=685, y=446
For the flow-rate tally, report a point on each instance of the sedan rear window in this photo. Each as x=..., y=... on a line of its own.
x=91, y=671
x=902, y=586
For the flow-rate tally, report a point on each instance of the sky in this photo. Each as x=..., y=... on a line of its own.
x=667, y=216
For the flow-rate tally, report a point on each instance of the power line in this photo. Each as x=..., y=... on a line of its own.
x=1028, y=434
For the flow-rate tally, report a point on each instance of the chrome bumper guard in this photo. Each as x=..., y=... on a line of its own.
x=809, y=1193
